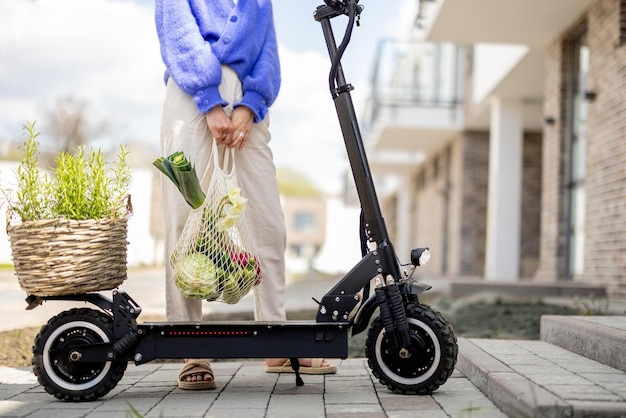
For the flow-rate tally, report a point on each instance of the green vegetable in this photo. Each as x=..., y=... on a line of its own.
x=180, y=171
x=232, y=292
x=238, y=284
x=248, y=278
x=198, y=277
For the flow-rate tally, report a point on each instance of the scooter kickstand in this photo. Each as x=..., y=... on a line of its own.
x=295, y=365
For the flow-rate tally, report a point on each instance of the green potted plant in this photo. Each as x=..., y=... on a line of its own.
x=68, y=229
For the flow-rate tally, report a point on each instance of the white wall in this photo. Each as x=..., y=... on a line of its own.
x=342, y=248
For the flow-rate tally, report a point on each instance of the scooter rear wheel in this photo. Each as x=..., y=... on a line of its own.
x=73, y=380
x=432, y=354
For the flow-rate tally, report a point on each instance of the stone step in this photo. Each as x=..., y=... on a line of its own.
x=600, y=338
x=538, y=379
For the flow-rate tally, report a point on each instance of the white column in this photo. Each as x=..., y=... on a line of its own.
x=403, y=244
x=504, y=197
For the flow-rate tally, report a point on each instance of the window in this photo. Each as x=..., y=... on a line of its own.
x=304, y=222
x=577, y=158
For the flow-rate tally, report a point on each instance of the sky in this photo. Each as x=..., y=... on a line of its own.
x=105, y=52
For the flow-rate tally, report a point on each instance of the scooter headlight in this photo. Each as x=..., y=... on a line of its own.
x=420, y=256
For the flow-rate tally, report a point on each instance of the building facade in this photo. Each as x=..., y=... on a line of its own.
x=528, y=180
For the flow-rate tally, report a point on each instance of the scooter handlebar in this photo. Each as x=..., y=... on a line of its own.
x=335, y=4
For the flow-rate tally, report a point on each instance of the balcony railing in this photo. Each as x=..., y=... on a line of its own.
x=415, y=75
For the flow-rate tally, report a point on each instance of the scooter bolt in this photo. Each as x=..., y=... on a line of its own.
x=110, y=355
x=337, y=299
x=138, y=357
x=140, y=331
x=75, y=356
x=404, y=353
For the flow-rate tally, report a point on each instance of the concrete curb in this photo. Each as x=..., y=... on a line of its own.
x=597, y=338
x=512, y=393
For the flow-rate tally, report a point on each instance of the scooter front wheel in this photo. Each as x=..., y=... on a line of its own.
x=52, y=363
x=431, y=357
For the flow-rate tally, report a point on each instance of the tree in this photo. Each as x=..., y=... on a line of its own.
x=71, y=124
x=294, y=183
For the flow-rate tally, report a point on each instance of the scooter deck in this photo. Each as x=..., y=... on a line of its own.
x=241, y=339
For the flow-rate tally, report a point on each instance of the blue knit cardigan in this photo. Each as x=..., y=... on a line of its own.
x=198, y=36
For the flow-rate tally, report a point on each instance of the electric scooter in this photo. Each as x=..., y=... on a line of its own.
x=81, y=354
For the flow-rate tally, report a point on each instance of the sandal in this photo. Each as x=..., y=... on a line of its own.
x=196, y=367
x=315, y=368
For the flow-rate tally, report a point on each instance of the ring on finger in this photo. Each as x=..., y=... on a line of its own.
x=242, y=135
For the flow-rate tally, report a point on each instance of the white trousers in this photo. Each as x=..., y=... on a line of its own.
x=184, y=128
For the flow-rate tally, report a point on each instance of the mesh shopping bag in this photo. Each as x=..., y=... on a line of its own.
x=215, y=258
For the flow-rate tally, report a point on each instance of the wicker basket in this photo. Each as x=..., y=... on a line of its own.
x=63, y=256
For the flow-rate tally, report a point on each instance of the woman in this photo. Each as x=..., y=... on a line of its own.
x=222, y=74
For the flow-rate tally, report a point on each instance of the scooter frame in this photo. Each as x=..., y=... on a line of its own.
x=326, y=337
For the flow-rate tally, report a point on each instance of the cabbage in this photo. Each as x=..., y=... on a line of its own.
x=197, y=277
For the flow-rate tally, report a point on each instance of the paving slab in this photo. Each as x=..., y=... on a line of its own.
x=245, y=390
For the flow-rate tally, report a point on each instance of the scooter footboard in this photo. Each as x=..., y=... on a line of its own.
x=242, y=339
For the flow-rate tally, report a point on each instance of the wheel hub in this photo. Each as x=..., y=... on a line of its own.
x=411, y=362
x=64, y=356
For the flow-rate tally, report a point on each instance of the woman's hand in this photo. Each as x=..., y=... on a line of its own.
x=231, y=131
x=242, y=120
x=219, y=124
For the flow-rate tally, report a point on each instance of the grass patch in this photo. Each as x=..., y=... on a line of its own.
x=503, y=319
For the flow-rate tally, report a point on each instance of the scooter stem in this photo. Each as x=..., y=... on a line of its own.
x=373, y=219
x=374, y=224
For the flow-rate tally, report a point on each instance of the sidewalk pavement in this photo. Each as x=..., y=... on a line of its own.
x=245, y=390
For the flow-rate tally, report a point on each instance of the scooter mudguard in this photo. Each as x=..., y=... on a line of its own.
x=364, y=314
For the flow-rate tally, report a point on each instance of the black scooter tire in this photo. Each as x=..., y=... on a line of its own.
x=433, y=356
x=68, y=380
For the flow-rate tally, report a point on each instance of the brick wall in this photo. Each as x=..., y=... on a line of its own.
x=605, y=181
x=531, y=204
x=429, y=210
x=455, y=211
x=474, y=184
x=553, y=198
x=456, y=229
